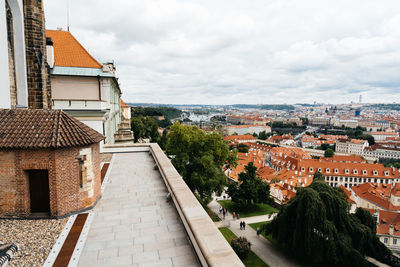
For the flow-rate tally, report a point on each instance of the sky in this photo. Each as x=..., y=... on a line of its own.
x=240, y=51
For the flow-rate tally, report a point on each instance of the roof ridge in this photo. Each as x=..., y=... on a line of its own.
x=57, y=127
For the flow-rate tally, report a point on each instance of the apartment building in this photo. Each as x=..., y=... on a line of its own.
x=382, y=152
x=351, y=146
x=81, y=86
x=381, y=136
x=343, y=170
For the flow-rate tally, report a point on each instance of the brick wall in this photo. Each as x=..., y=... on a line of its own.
x=39, y=89
x=65, y=193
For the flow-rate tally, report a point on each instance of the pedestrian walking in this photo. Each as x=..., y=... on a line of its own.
x=220, y=210
x=241, y=226
x=244, y=225
x=223, y=212
x=258, y=231
x=238, y=216
x=233, y=215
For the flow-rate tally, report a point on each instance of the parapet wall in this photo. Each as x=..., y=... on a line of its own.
x=210, y=246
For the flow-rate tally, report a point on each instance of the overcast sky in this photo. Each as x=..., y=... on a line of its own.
x=242, y=51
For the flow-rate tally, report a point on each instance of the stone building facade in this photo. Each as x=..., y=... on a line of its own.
x=39, y=89
x=47, y=170
x=24, y=71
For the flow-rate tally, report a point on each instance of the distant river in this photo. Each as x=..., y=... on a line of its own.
x=198, y=117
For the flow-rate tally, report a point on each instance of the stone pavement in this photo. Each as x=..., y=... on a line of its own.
x=134, y=225
x=259, y=245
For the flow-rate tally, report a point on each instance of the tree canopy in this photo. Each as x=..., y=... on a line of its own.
x=144, y=127
x=329, y=153
x=250, y=189
x=199, y=158
x=317, y=228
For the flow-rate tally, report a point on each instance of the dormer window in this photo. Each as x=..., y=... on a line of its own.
x=303, y=169
x=319, y=169
x=386, y=173
x=311, y=169
x=375, y=172
x=346, y=171
x=355, y=171
x=336, y=170
x=365, y=172
x=327, y=170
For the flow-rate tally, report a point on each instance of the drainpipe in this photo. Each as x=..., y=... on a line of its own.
x=98, y=81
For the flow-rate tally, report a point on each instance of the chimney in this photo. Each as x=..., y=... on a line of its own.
x=50, y=52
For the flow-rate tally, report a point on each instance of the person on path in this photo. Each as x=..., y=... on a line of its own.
x=244, y=225
x=258, y=231
x=241, y=226
x=233, y=215
x=220, y=210
x=223, y=212
x=238, y=216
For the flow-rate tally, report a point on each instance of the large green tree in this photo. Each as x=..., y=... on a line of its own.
x=145, y=127
x=250, y=189
x=329, y=153
x=199, y=158
x=317, y=228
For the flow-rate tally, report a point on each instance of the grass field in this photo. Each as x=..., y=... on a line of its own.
x=210, y=213
x=252, y=260
x=253, y=210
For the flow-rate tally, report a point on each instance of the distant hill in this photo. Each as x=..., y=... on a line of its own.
x=168, y=112
x=385, y=106
x=273, y=107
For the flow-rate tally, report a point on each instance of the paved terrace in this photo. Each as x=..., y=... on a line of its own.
x=133, y=222
x=135, y=225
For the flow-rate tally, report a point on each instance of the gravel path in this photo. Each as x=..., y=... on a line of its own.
x=34, y=238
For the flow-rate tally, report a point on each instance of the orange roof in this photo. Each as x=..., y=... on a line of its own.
x=239, y=137
x=387, y=218
x=68, y=52
x=123, y=103
x=377, y=194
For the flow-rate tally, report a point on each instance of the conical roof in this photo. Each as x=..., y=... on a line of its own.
x=37, y=128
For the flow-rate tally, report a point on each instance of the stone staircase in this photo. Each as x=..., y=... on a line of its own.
x=124, y=134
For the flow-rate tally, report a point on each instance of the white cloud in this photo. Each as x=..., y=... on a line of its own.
x=224, y=52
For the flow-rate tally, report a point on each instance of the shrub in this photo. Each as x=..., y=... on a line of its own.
x=241, y=246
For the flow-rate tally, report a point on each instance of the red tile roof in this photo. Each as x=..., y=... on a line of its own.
x=377, y=194
x=38, y=129
x=68, y=52
x=239, y=137
x=123, y=103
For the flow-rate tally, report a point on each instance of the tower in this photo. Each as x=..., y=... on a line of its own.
x=38, y=78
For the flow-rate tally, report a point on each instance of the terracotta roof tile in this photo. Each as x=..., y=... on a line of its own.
x=68, y=52
x=36, y=129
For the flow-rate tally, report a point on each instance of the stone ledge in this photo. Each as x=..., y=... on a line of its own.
x=209, y=244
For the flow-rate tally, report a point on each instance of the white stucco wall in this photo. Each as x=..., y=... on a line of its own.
x=75, y=88
x=95, y=124
x=16, y=7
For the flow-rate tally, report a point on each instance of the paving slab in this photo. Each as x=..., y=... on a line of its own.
x=134, y=224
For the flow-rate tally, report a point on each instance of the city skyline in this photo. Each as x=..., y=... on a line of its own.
x=201, y=52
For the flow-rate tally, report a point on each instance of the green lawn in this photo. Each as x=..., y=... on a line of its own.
x=252, y=260
x=253, y=210
x=212, y=214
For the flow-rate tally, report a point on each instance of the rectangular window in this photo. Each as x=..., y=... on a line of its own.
x=81, y=162
x=385, y=240
x=394, y=241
